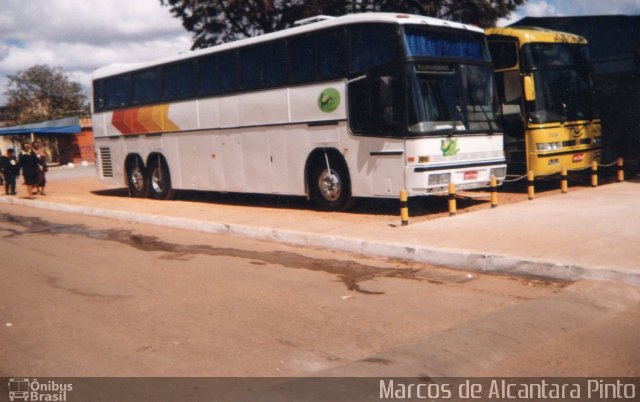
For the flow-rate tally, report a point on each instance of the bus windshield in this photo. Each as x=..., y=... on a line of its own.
x=450, y=98
x=561, y=95
x=561, y=73
x=555, y=55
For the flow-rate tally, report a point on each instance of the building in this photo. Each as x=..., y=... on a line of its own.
x=64, y=140
x=78, y=148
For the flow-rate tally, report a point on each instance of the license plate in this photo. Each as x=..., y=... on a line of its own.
x=470, y=175
x=578, y=157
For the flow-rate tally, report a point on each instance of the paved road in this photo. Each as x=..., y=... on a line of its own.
x=82, y=296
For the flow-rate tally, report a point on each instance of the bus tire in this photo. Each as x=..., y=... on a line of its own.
x=160, y=180
x=330, y=191
x=137, y=179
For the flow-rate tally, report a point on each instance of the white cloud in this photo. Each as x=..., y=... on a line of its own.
x=540, y=9
x=534, y=8
x=600, y=7
x=95, y=22
x=81, y=35
x=558, y=8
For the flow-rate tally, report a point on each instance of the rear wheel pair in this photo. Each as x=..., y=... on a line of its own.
x=153, y=181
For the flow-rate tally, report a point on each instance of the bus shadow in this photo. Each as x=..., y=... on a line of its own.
x=426, y=207
x=418, y=206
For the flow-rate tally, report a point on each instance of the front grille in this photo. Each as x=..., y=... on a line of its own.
x=105, y=162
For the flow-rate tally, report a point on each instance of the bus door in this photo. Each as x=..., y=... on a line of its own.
x=504, y=51
x=376, y=113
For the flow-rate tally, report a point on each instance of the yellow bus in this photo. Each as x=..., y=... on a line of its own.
x=544, y=86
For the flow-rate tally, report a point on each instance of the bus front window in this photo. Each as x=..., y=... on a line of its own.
x=451, y=98
x=561, y=95
x=561, y=73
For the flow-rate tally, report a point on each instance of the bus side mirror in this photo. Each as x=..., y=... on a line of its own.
x=529, y=88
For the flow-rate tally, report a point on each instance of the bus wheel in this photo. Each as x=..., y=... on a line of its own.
x=137, y=179
x=330, y=189
x=160, y=180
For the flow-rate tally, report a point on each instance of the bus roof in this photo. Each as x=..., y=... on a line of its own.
x=535, y=34
x=396, y=18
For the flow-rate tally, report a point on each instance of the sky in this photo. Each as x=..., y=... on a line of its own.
x=82, y=35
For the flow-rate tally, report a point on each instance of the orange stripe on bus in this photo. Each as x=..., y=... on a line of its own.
x=143, y=120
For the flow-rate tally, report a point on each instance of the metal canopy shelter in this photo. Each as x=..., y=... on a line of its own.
x=68, y=125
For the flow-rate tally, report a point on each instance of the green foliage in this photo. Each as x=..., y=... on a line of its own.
x=43, y=93
x=217, y=21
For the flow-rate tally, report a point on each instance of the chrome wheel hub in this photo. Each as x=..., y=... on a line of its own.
x=330, y=185
x=137, y=179
x=156, y=181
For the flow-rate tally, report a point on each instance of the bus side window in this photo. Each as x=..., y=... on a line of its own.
x=302, y=54
x=504, y=54
x=116, y=91
x=375, y=103
x=330, y=52
x=227, y=72
x=251, y=62
x=207, y=74
x=217, y=73
x=178, y=81
x=98, y=95
x=317, y=57
x=262, y=66
x=273, y=73
x=146, y=87
x=372, y=45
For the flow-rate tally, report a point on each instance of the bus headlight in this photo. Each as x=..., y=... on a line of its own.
x=439, y=178
x=597, y=140
x=548, y=146
x=498, y=173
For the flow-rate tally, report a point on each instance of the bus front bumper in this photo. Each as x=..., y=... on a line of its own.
x=552, y=162
x=425, y=180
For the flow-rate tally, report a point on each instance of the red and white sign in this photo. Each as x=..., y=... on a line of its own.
x=470, y=175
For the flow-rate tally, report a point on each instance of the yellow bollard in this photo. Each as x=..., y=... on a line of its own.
x=620, y=170
x=452, y=199
x=494, y=192
x=563, y=181
x=594, y=174
x=404, y=208
x=530, y=188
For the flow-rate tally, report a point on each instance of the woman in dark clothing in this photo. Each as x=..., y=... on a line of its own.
x=10, y=169
x=29, y=163
x=42, y=168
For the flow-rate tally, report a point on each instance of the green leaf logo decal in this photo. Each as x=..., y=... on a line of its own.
x=449, y=147
x=329, y=100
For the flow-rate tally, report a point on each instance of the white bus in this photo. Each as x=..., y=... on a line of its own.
x=362, y=105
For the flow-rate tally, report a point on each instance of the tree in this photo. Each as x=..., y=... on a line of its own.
x=43, y=93
x=219, y=21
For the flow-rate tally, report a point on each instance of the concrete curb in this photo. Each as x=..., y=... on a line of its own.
x=451, y=258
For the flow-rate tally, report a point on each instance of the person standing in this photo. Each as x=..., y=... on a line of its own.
x=29, y=164
x=3, y=162
x=42, y=167
x=10, y=169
